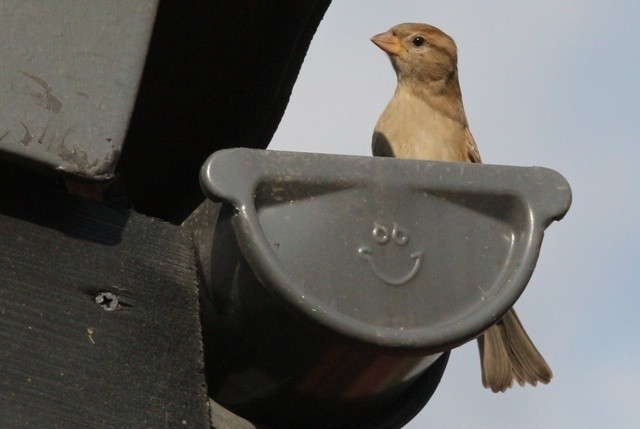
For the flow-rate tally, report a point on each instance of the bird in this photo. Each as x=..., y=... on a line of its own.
x=426, y=120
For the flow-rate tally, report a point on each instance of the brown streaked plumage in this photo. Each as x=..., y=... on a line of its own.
x=425, y=119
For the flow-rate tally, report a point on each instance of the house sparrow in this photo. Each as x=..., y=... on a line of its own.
x=425, y=119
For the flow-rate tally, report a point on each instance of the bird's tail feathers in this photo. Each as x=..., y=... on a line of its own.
x=507, y=354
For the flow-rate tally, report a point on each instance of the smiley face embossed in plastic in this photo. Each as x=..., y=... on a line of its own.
x=384, y=237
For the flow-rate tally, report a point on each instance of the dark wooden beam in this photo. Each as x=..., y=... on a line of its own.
x=99, y=318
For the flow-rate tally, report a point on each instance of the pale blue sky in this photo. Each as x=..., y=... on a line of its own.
x=549, y=83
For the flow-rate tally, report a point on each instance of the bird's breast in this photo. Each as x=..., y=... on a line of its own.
x=411, y=128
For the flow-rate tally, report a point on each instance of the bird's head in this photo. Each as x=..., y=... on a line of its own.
x=419, y=52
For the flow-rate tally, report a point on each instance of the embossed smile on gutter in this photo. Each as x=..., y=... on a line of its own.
x=398, y=236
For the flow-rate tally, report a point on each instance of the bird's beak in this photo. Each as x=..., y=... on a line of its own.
x=388, y=43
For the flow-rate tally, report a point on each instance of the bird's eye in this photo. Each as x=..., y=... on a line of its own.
x=418, y=41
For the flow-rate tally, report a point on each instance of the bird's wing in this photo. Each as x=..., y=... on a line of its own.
x=473, y=154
